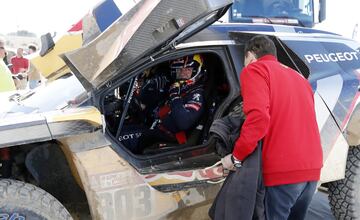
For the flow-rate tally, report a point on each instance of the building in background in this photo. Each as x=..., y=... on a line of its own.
x=14, y=41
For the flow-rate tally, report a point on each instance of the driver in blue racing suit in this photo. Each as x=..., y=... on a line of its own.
x=182, y=109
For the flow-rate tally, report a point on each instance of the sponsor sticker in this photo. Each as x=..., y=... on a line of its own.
x=331, y=57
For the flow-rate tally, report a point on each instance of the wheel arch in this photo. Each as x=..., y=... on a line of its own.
x=352, y=129
x=52, y=168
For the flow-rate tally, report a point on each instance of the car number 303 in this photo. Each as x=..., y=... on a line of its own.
x=126, y=203
x=11, y=216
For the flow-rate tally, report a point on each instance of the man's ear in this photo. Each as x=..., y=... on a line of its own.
x=249, y=58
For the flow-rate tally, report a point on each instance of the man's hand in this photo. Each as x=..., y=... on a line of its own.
x=227, y=162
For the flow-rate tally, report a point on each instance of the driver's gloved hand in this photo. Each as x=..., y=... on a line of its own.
x=174, y=91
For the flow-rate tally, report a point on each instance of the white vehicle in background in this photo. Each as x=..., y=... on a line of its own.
x=303, y=13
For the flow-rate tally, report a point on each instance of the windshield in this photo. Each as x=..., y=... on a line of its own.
x=300, y=10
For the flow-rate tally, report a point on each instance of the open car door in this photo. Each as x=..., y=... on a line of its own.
x=150, y=26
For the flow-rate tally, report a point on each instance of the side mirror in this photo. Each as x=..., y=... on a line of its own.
x=322, y=11
x=47, y=44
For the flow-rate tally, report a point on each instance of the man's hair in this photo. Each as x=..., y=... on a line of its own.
x=32, y=47
x=260, y=45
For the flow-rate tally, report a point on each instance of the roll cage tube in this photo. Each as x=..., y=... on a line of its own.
x=128, y=98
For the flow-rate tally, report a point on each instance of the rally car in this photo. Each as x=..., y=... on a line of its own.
x=66, y=139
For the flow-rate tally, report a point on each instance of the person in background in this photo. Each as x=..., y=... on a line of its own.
x=6, y=81
x=34, y=75
x=6, y=84
x=31, y=49
x=5, y=59
x=20, y=67
x=279, y=109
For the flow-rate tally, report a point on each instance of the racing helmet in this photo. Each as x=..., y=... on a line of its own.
x=192, y=61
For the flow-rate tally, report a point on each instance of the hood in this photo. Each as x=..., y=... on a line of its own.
x=42, y=114
x=150, y=26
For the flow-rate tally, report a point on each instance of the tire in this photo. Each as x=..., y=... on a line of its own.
x=344, y=195
x=19, y=200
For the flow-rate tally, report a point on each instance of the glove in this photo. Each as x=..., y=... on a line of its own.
x=227, y=163
x=174, y=91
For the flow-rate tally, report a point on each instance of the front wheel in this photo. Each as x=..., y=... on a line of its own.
x=22, y=201
x=344, y=195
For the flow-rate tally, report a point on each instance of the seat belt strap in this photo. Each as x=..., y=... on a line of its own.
x=181, y=137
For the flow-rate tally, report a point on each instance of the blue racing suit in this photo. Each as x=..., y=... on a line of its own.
x=179, y=114
x=185, y=110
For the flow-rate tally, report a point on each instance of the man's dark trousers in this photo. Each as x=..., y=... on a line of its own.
x=289, y=201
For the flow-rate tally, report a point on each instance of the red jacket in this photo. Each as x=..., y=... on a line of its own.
x=18, y=64
x=279, y=108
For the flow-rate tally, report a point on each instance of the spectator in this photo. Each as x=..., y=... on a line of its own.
x=34, y=77
x=31, y=49
x=6, y=82
x=20, y=67
x=5, y=59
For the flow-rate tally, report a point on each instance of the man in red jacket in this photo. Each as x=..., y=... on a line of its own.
x=20, y=67
x=279, y=109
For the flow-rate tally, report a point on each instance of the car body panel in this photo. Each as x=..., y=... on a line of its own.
x=34, y=116
x=116, y=191
x=353, y=127
x=43, y=99
x=23, y=129
x=102, y=16
x=90, y=114
x=333, y=143
x=40, y=127
x=51, y=66
x=57, y=68
x=335, y=64
x=148, y=25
